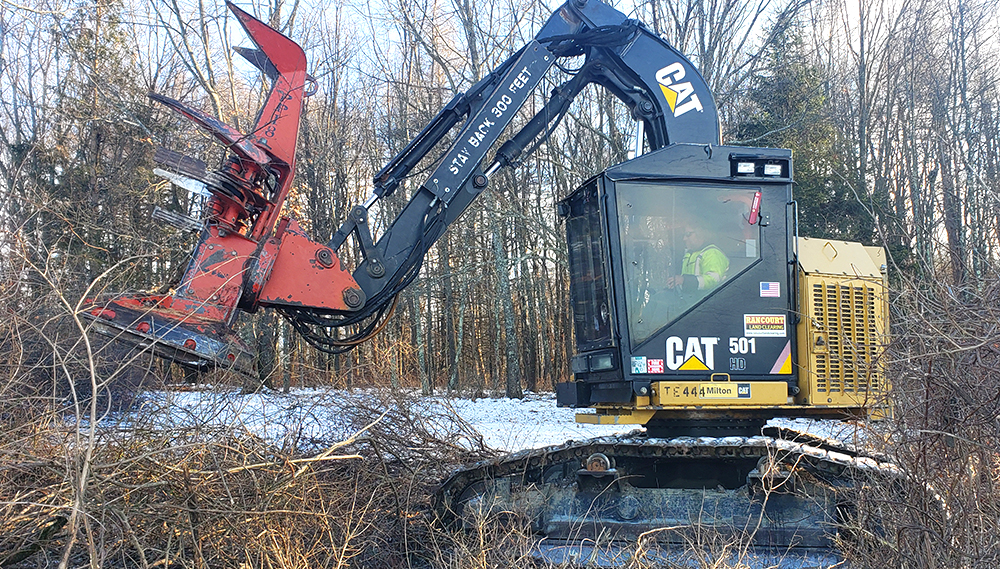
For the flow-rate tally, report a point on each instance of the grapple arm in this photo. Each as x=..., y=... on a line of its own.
x=247, y=255
x=659, y=85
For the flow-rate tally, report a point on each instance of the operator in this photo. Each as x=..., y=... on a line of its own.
x=704, y=265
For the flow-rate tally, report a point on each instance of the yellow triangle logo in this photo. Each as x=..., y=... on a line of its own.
x=787, y=366
x=671, y=97
x=693, y=364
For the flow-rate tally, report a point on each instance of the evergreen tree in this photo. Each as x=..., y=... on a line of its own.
x=788, y=107
x=95, y=193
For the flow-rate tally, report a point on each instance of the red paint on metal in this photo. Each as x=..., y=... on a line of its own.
x=258, y=272
x=104, y=313
x=277, y=127
x=754, y=209
x=253, y=185
x=213, y=281
x=242, y=260
x=298, y=279
x=232, y=138
x=193, y=315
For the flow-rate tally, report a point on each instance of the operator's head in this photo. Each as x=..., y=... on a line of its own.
x=694, y=236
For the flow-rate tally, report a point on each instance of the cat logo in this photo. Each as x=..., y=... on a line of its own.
x=692, y=354
x=680, y=96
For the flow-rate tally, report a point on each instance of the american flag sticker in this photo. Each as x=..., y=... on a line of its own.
x=772, y=290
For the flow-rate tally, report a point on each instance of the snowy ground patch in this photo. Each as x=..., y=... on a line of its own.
x=515, y=424
x=316, y=418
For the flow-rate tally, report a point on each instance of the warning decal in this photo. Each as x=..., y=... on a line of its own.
x=764, y=325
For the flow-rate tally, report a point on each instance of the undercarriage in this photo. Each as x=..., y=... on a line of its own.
x=782, y=496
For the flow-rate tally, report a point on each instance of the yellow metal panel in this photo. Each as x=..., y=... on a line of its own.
x=719, y=393
x=843, y=334
x=836, y=258
x=618, y=417
x=878, y=256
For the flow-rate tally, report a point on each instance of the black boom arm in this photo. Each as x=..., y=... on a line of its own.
x=660, y=86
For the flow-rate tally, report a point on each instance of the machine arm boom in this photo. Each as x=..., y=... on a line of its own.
x=659, y=85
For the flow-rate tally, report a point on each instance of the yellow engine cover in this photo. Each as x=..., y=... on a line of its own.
x=843, y=333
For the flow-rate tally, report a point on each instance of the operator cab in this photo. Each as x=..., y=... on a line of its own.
x=679, y=271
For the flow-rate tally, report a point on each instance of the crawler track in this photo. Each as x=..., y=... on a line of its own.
x=779, y=495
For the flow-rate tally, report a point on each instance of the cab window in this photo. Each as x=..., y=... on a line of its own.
x=680, y=243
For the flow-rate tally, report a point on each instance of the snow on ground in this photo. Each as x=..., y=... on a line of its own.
x=851, y=432
x=309, y=417
x=319, y=417
x=532, y=422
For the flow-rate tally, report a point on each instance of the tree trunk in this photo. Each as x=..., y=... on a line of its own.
x=448, y=309
x=266, y=323
x=416, y=327
x=512, y=383
x=952, y=216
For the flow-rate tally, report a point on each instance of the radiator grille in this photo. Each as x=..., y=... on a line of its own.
x=846, y=339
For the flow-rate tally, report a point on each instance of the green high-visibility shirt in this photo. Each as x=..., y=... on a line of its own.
x=709, y=265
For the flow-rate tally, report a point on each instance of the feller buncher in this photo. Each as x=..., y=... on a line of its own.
x=699, y=313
